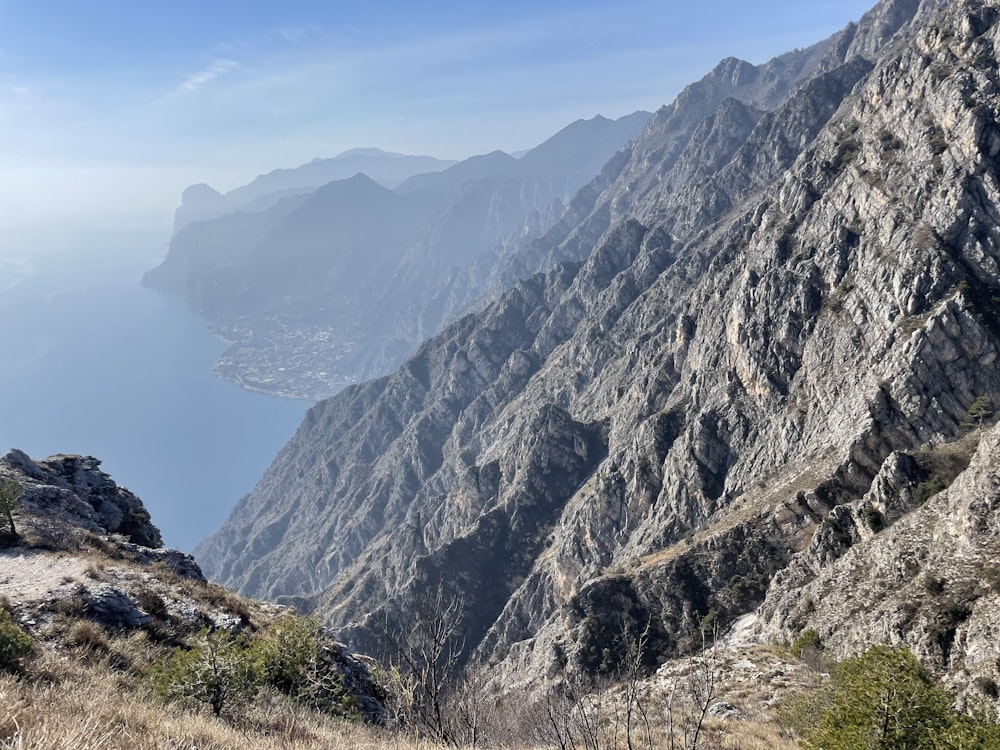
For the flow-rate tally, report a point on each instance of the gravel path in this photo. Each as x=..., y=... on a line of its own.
x=32, y=576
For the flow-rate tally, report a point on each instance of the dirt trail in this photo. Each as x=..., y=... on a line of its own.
x=31, y=576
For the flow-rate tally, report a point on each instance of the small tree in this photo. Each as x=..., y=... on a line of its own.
x=218, y=670
x=426, y=658
x=290, y=658
x=882, y=700
x=980, y=411
x=10, y=494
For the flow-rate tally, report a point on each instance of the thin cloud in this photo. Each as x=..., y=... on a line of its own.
x=296, y=35
x=217, y=69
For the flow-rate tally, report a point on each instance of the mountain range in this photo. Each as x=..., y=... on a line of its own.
x=202, y=202
x=318, y=287
x=748, y=375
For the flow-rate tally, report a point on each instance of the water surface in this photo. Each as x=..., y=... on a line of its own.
x=94, y=363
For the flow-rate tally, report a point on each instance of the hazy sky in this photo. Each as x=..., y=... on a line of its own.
x=110, y=106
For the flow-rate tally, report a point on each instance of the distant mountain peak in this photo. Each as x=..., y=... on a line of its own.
x=365, y=151
x=200, y=192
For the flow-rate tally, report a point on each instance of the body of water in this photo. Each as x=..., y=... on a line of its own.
x=93, y=363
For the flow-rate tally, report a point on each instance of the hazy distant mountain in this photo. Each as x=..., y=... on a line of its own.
x=201, y=202
x=311, y=286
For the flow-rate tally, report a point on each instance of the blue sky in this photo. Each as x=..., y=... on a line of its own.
x=114, y=106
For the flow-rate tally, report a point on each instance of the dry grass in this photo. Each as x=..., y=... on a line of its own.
x=103, y=701
x=63, y=703
x=87, y=686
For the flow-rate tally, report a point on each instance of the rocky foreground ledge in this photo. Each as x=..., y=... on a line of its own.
x=68, y=494
x=85, y=574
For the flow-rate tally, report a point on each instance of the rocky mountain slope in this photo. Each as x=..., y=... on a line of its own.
x=756, y=354
x=310, y=286
x=87, y=580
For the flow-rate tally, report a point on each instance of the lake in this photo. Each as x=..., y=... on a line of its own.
x=94, y=363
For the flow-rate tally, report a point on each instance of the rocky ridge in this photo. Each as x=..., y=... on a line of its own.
x=687, y=412
x=87, y=552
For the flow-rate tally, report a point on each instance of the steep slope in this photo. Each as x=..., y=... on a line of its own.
x=904, y=568
x=655, y=432
x=569, y=232
x=626, y=179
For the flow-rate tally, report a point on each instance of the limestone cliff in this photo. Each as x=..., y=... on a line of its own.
x=756, y=321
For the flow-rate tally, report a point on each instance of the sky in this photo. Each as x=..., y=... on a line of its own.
x=109, y=108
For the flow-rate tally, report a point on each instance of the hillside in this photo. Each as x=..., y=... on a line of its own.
x=94, y=610
x=108, y=641
x=742, y=385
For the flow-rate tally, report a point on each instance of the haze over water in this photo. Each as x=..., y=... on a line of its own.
x=94, y=363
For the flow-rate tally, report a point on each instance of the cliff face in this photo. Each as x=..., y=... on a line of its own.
x=67, y=494
x=763, y=318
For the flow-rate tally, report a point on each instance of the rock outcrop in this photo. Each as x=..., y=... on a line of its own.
x=749, y=347
x=87, y=565
x=66, y=493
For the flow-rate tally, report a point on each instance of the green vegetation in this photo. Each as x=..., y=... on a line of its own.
x=289, y=656
x=926, y=490
x=846, y=151
x=885, y=700
x=889, y=141
x=218, y=670
x=221, y=668
x=874, y=518
x=10, y=494
x=933, y=584
x=15, y=644
x=807, y=640
x=980, y=412
x=809, y=648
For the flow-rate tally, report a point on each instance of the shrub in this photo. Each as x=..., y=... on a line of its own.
x=10, y=494
x=291, y=659
x=874, y=518
x=15, y=644
x=926, y=490
x=979, y=413
x=218, y=670
x=881, y=699
x=807, y=639
x=288, y=652
x=808, y=648
x=152, y=603
x=89, y=635
x=933, y=584
x=987, y=686
x=846, y=151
